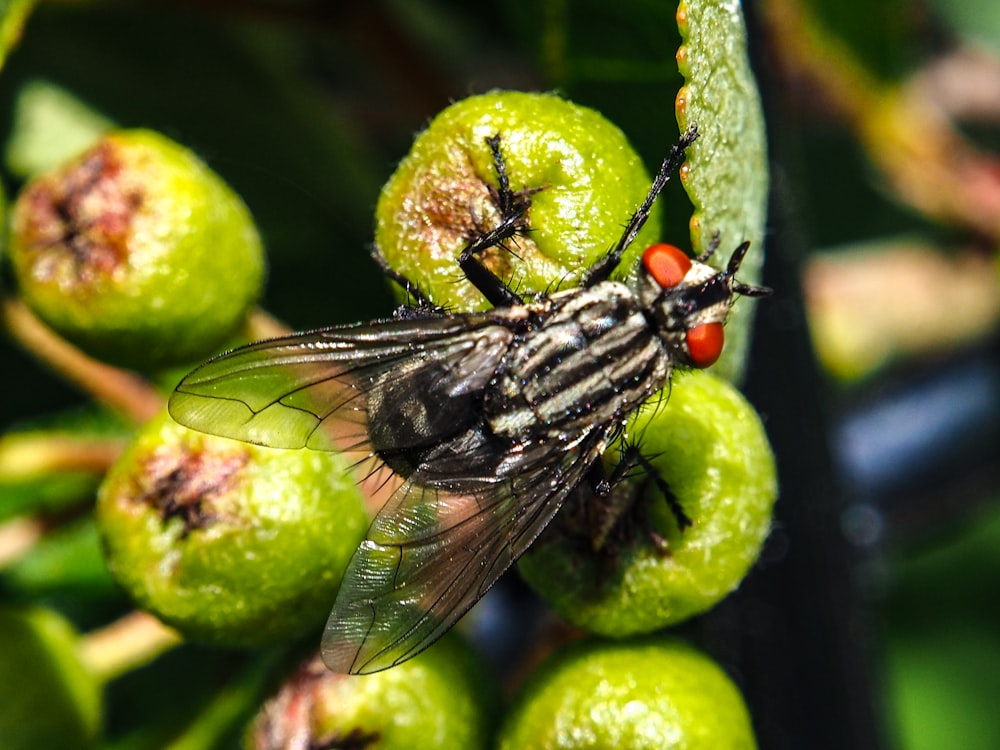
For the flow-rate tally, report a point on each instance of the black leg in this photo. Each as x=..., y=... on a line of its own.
x=602, y=269
x=713, y=245
x=512, y=206
x=422, y=300
x=682, y=518
x=505, y=197
x=608, y=509
x=491, y=286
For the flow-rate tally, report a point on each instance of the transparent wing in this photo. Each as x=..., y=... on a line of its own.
x=443, y=539
x=387, y=385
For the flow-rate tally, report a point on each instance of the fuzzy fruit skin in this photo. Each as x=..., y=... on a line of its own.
x=644, y=695
x=710, y=447
x=438, y=198
x=227, y=542
x=47, y=697
x=137, y=252
x=442, y=699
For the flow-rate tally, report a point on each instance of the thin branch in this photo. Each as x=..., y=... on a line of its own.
x=17, y=537
x=122, y=390
x=25, y=456
x=262, y=325
x=925, y=159
x=134, y=640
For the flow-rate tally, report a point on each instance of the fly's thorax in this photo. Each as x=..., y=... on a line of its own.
x=686, y=301
x=591, y=359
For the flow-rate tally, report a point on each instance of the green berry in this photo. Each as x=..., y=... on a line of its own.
x=710, y=447
x=47, y=697
x=644, y=695
x=227, y=542
x=137, y=252
x=587, y=181
x=442, y=699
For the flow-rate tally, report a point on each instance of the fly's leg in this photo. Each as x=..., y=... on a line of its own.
x=491, y=286
x=682, y=518
x=602, y=269
x=512, y=206
x=614, y=507
x=713, y=245
x=421, y=300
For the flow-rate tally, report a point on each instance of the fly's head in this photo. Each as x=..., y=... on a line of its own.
x=688, y=300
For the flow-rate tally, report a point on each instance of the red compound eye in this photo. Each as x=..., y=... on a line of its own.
x=705, y=343
x=667, y=264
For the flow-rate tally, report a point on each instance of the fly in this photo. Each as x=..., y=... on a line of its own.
x=487, y=421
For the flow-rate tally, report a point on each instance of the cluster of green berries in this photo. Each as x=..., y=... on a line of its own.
x=140, y=256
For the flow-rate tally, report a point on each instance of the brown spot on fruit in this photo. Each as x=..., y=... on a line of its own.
x=183, y=483
x=289, y=718
x=75, y=223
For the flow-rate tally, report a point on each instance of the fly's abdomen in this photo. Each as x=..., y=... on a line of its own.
x=593, y=359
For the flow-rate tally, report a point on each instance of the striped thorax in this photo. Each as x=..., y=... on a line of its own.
x=592, y=355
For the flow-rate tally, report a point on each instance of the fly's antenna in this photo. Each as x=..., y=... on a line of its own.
x=752, y=290
x=746, y=290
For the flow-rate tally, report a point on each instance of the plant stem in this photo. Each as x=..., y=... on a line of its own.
x=928, y=163
x=860, y=324
x=119, y=389
x=30, y=455
x=262, y=325
x=17, y=536
x=134, y=640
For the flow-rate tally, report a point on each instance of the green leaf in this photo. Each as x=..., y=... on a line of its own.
x=727, y=179
x=46, y=494
x=44, y=464
x=48, y=698
x=67, y=560
x=944, y=641
x=51, y=126
x=13, y=14
x=978, y=21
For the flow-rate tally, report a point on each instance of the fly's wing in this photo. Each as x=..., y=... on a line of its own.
x=382, y=386
x=443, y=539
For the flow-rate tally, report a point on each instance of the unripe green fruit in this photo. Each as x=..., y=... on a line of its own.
x=710, y=447
x=227, y=542
x=442, y=699
x=644, y=695
x=47, y=697
x=137, y=252
x=588, y=181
